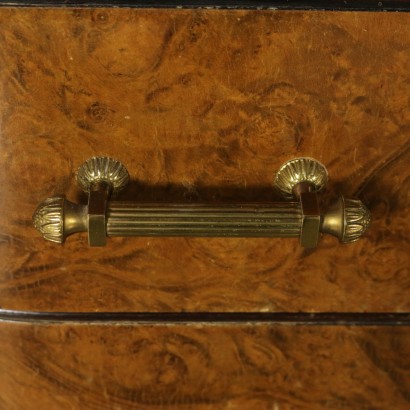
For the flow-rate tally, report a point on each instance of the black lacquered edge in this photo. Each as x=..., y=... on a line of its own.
x=277, y=318
x=357, y=5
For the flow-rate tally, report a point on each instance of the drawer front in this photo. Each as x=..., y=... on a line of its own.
x=204, y=106
x=74, y=366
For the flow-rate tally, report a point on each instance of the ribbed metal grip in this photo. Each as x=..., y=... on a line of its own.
x=246, y=220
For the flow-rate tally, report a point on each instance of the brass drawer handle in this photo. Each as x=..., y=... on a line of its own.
x=300, y=179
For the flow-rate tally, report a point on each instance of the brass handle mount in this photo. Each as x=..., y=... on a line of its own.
x=299, y=180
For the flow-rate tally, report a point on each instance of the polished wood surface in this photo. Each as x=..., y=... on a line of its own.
x=204, y=105
x=74, y=366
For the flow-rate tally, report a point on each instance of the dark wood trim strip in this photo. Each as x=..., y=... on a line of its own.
x=353, y=5
x=280, y=318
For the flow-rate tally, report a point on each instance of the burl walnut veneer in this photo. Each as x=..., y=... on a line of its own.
x=203, y=106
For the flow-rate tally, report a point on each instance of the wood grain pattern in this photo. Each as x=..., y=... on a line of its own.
x=61, y=366
x=204, y=105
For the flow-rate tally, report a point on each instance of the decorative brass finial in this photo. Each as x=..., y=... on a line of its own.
x=102, y=169
x=56, y=218
x=48, y=218
x=347, y=219
x=357, y=220
x=301, y=170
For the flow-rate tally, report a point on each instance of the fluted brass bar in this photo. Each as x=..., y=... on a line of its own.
x=246, y=220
